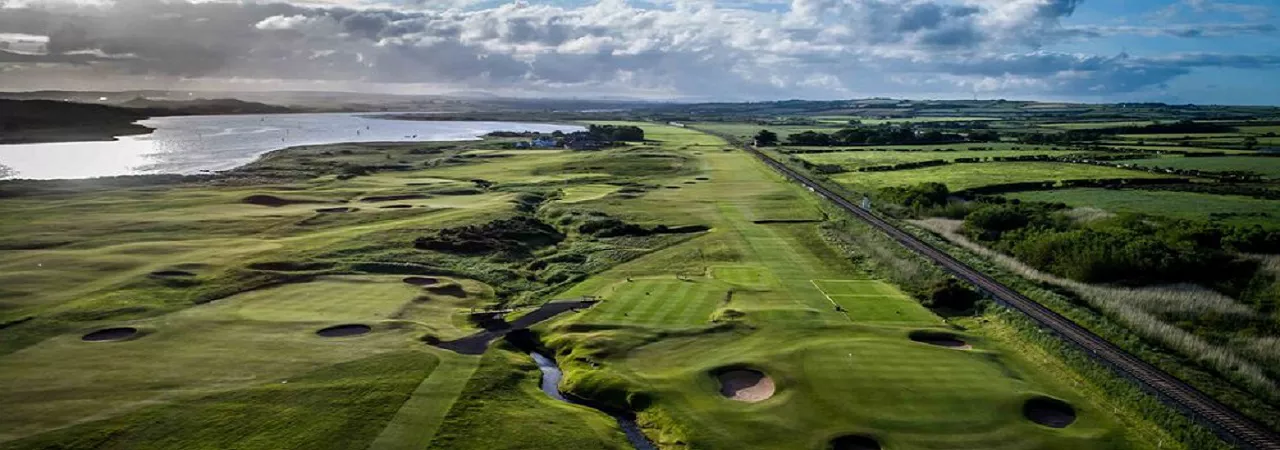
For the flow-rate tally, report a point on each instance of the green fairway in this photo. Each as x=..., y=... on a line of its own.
x=967, y=176
x=235, y=343
x=832, y=339
x=338, y=407
x=1266, y=166
x=1185, y=205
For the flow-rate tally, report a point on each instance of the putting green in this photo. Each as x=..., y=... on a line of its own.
x=660, y=302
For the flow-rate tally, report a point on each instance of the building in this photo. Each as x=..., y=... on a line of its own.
x=583, y=144
x=543, y=142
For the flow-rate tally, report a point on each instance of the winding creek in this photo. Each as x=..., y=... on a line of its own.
x=551, y=376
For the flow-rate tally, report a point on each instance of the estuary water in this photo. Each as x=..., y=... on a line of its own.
x=194, y=144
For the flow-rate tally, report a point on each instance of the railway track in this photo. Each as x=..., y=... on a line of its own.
x=1229, y=424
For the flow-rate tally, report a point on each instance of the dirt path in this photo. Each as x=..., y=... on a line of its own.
x=415, y=424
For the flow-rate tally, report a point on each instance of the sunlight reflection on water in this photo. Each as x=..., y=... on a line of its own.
x=191, y=144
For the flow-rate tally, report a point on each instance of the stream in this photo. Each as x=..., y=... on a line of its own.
x=551, y=376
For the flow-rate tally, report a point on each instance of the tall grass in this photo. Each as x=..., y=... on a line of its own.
x=1138, y=309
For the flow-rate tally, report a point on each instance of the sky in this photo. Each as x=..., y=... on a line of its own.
x=1174, y=51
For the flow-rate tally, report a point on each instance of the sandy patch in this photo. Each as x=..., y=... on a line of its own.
x=745, y=385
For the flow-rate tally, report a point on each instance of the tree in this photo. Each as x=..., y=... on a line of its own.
x=1250, y=142
x=766, y=138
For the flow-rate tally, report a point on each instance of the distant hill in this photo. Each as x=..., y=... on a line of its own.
x=35, y=114
x=29, y=121
x=205, y=106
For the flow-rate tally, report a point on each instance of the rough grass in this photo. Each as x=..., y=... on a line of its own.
x=502, y=408
x=1139, y=309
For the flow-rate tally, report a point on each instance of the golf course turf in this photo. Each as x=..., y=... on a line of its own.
x=745, y=327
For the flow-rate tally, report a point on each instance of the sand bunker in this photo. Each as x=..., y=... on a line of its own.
x=421, y=280
x=273, y=201
x=351, y=329
x=702, y=178
x=390, y=198
x=337, y=210
x=854, y=442
x=940, y=339
x=172, y=274
x=111, y=334
x=451, y=289
x=745, y=385
x=396, y=207
x=1049, y=412
x=672, y=187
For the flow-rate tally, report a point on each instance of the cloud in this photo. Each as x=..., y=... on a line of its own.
x=1181, y=31
x=681, y=48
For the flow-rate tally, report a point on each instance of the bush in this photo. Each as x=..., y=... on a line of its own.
x=952, y=295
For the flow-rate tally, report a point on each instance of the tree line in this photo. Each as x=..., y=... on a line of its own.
x=876, y=135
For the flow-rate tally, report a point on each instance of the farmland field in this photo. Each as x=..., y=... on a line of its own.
x=844, y=120
x=1267, y=166
x=856, y=159
x=748, y=130
x=964, y=146
x=1184, y=205
x=967, y=176
x=1097, y=125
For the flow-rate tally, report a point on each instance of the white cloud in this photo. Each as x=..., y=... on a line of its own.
x=688, y=48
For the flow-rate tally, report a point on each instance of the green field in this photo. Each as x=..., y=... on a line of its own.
x=967, y=176
x=842, y=120
x=1097, y=125
x=746, y=131
x=965, y=146
x=856, y=159
x=228, y=293
x=1185, y=205
x=1266, y=166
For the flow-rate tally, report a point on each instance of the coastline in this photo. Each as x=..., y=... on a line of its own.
x=89, y=133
